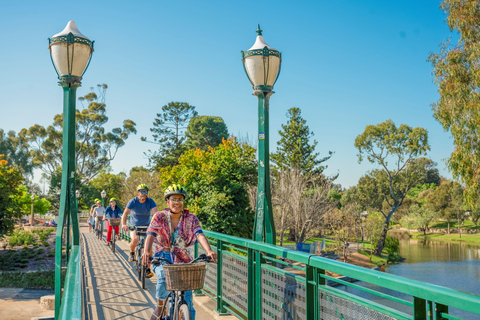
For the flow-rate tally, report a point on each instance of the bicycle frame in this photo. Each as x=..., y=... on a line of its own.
x=139, y=265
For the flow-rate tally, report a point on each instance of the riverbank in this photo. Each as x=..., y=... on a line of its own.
x=473, y=239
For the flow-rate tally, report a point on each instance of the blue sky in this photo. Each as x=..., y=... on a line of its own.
x=346, y=64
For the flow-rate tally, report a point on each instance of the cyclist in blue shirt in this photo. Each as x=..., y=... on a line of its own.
x=139, y=209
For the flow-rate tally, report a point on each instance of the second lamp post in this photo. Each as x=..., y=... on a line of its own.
x=262, y=66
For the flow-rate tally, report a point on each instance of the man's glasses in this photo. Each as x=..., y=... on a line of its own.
x=177, y=200
x=143, y=191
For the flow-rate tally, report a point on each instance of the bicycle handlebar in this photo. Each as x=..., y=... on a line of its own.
x=158, y=260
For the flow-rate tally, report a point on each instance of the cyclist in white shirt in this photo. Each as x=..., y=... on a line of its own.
x=99, y=216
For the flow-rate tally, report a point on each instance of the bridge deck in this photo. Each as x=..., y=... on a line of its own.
x=111, y=288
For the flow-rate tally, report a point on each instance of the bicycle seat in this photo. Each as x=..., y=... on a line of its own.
x=141, y=231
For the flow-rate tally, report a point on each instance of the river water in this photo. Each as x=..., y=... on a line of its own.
x=448, y=264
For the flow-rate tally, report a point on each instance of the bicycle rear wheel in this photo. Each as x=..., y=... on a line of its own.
x=183, y=312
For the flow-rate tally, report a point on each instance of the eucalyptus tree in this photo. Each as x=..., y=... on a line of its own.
x=95, y=148
x=396, y=151
x=15, y=149
x=456, y=69
x=447, y=201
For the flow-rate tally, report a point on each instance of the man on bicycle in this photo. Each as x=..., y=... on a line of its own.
x=112, y=212
x=173, y=230
x=139, y=209
x=99, y=214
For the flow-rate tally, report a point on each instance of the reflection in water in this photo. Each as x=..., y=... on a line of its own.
x=451, y=265
x=424, y=251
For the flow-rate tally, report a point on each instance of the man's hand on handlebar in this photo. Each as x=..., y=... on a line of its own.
x=146, y=258
x=125, y=227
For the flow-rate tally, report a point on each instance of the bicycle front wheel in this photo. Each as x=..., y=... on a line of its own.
x=112, y=240
x=139, y=263
x=183, y=312
x=143, y=276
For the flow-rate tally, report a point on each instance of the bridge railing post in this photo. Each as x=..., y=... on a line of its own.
x=220, y=307
x=311, y=301
x=251, y=284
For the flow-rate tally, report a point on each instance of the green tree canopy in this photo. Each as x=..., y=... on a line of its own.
x=204, y=132
x=294, y=149
x=15, y=149
x=95, y=148
x=456, y=70
x=216, y=183
x=419, y=217
x=10, y=193
x=447, y=201
x=138, y=175
x=40, y=205
x=169, y=133
x=111, y=183
x=381, y=144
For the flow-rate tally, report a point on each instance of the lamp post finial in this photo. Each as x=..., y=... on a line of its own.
x=259, y=31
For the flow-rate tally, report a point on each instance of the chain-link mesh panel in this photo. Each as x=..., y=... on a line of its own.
x=235, y=282
x=332, y=307
x=283, y=296
x=210, y=274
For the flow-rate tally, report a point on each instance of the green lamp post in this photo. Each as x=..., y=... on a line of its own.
x=71, y=53
x=262, y=66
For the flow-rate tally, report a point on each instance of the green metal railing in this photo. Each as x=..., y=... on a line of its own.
x=250, y=281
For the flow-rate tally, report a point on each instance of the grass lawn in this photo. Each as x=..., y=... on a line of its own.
x=29, y=280
x=466, y=238
x=467, y=225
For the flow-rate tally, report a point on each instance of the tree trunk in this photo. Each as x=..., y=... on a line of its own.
x=381, y=241
x=448, y=227
x=282, y=228
x=291, y=234
x=458, y=226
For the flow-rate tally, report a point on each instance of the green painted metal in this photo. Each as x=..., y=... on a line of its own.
x=67, y=195
x=251, y=284
x=264, y=227
x=428, y=301
x=257, y=296
x=220, y=307
x=72, y=307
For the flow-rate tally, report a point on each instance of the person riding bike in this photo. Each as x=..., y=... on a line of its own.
x=92, y=214
x=112, y=212
x=99, y=214
x=173, y=230
x=140, y=208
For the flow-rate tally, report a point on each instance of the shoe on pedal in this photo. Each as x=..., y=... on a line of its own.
x=108, y=244
x=132, y=258
x=148, y=273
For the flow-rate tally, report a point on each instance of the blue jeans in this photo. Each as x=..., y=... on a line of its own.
x=162, y=292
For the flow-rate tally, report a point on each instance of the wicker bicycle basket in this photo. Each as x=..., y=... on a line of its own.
x=185, y=277
x=114, y=222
